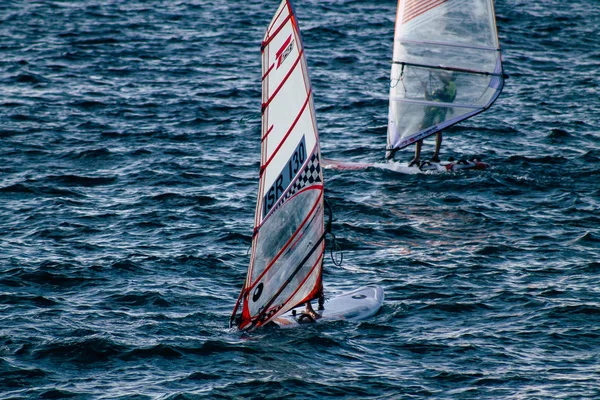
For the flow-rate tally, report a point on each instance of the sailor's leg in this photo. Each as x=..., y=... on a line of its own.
x=438, y=144
x=415, y=160
x=389, y=154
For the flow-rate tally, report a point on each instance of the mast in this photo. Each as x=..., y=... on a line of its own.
x=446, y=67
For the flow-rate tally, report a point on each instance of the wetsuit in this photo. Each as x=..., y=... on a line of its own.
x=435, y=114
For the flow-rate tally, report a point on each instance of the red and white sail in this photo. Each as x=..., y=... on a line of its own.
x=437, y=40
x=288, y=243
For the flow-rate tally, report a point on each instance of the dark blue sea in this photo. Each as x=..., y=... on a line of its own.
x=129, y=160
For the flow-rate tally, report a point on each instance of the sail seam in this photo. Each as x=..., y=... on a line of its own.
x=434, y=103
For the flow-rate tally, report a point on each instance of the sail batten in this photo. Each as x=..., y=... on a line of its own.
x=438, y=103
x=288, y=239
x=446, y=67
x=439, y=43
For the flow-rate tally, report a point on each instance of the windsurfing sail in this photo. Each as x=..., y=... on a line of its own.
x=446, y=67
x=288, y=240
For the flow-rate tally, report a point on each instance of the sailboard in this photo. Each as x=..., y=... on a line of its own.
x=354, y=305
x=288, y=242
x=405, y=167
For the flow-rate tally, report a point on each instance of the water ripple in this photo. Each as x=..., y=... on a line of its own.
x=128, y=176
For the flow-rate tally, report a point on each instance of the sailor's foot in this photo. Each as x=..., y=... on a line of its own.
x=308, y=315
x=414, y=162
x=435, y=158
x=310, y=311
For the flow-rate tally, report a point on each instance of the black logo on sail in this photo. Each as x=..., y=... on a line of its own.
x=289, y=172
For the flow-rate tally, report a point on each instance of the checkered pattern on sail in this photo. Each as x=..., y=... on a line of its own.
x=310, y=175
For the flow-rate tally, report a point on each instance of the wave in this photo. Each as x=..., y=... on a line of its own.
x=84, y=351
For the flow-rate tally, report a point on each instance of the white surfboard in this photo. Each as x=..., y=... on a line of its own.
x=404, y=168
x=356, y=305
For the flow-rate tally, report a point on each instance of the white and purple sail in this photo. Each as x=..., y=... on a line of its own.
x=436, y=41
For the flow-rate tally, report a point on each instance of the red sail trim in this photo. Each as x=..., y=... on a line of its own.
x=414, y=8
x=285, y=303
x=266, y=74
x=245, y=311
x=286, y=135
x=265, y=105
x=267, y=134
x=294, y=20
x=297, y=240
x=313, y=292
x=277, y=57
x=292, y=238
x=265, y=43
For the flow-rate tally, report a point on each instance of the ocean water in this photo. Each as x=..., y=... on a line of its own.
x=129, y=157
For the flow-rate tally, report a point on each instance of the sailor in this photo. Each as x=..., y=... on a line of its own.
x=434, y=115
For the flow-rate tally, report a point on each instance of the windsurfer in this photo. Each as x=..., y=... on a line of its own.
x=434, y=114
